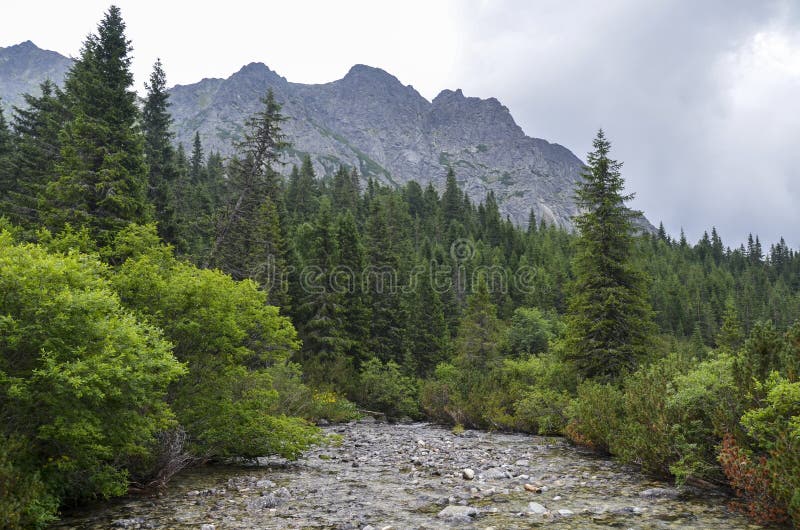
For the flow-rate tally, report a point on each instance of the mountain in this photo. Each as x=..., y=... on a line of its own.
x=23, y=67
x=370, y=120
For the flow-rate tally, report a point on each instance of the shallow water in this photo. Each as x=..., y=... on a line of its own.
x=404, y=476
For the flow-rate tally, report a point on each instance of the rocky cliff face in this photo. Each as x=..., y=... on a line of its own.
x=23, y=67
x=368, y=120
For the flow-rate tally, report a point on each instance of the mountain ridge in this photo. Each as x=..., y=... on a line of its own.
x=369, y=120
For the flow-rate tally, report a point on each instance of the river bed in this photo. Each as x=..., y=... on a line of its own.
x=409, y=476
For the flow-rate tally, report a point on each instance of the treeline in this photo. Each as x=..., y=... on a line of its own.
x=161, y=307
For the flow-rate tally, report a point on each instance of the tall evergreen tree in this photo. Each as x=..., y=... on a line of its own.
x=609, y=318
x=7, y=182
x=452, y=199
x=37, y=150
x=302, y=191
x=249, y=240
x=101, y=178
x=351, y=262
x=160, y=154
x=321, y=307
x=427, y=335
x=479, y=332
x=196, y=160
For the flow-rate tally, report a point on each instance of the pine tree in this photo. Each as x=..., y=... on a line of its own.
x=351, y=262
x=7, y=180
x=730, y=336
x=479, y=332
x=427, y=335
x=321, y=306
x=345, y=190
x=197, y=160
x=302, y=192
x=609, y=319
x=452, y=199
x=37, y=150
x=160, y=155
x=102, y=176
x=249, y=240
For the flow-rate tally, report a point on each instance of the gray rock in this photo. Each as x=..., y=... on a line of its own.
x=468, y=474
x=458, y=512
x=565, y=513
x=136, y=523
x=536, y=508
x=660, y=493
x=208, y=527
x=494, y=473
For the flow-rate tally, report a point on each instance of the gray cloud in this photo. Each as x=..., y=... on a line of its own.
x=705, y=121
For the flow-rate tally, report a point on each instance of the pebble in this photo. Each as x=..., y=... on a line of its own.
x=468, y=474
x=536, y=508
x=457, y=512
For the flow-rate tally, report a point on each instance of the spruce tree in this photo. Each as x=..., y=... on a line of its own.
x=160, y=155
x=609, y=318
x=427, y=335
x=196, y=160
x=37, y=150
x=302, y=192
x=321, y=308
x=249, y=240
x=479, y=332
x=351, y=262
x=452, y=199
x=101, y=179
x=7, y=181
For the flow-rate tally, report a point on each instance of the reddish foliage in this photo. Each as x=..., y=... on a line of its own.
x=572, y=431
x=751, y=481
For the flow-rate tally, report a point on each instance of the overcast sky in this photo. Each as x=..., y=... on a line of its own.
x=701, y=98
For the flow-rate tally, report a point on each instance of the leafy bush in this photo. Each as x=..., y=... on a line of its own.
x=775, y=429
x=542, y=410
x=530, y=332
x=750, y=479
x=704, y=404
x=649, y=435
x=595, y=415
x=386, y=389
x=235, y=346
x=24, y=500
x=82, y=380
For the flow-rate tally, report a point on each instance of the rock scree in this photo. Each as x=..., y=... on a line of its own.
x=413, y=476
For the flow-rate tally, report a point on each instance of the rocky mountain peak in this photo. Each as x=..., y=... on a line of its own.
x=23, y=67
x=368, y=120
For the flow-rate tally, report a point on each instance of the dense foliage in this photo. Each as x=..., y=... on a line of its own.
x=252, y=304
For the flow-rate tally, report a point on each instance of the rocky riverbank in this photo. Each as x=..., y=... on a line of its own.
x=419, y=476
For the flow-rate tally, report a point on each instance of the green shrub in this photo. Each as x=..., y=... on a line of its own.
x=704, y=404
x=543, y=411
x=238, y=396
x=648, y=435
x=24, y=500
x=384, y=388
x=775, y=431
x=82, y=380
x=595, y=415
x=530, y=332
